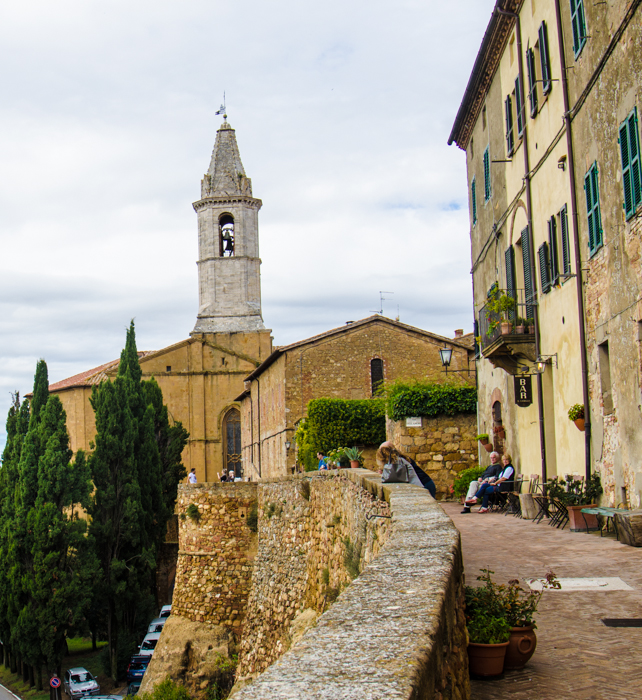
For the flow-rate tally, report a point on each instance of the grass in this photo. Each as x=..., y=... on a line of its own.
x=80, y=654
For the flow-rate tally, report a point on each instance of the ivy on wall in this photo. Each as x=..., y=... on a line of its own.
x=404, y=399
x=333, y=423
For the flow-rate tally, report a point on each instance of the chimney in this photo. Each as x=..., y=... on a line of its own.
x=459, y=333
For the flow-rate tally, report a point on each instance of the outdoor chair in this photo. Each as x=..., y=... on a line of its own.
x=544, y=508
x=559, y=517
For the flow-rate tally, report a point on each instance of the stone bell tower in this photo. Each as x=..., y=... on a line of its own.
x=229, y=276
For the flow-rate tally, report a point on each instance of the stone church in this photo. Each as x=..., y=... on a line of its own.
x=201, y=375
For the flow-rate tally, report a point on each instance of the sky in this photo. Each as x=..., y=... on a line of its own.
x=342, y=111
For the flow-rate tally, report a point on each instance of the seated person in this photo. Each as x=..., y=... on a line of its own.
x=504, y=482
x=490, y=474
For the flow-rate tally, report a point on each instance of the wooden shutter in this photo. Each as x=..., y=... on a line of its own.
x=626, y=169
x=566, y=251
x=473, y=200
x=487, y=174
x=544, y=59
x=588, y=187
x=519, y=107
x=631, y=167
x=634, y=150
x=511, y=286
x=532, y=77
x=552, y=250
x=529, y=282
x=578, y=23
x=508, y=106
x=544, y=271
x=593, y=209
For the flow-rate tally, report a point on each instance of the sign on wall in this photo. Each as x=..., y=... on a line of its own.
x=413, y=422
x=523, y=391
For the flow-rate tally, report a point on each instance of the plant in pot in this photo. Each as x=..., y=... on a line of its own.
x=483, y=438
x=576, y=414
x=530, y=325
x=488, y=631
x=503, y=309
x=337, y=458
x=520, y=325
x=354, y=456
x=576, y=494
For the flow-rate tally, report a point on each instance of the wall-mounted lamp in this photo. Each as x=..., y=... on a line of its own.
x=561, y=163
x=446, y=355
x=542, y=361
x=288, y=444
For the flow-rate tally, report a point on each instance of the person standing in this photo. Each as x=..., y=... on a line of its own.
x=490, y=474
x=192, y=476
x=322, y=462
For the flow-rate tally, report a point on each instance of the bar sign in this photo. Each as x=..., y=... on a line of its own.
x=523, y=391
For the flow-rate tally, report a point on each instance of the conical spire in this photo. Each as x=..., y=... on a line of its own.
x=226, y=176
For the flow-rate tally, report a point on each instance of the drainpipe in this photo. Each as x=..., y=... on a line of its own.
x=527, y=180
x=258, y=414
x=576, y=246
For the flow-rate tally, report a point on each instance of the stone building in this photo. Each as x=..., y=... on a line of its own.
x=349, y=362
x=201, y=376
x=549, y=125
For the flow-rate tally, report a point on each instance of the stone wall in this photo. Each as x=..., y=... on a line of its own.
x=442, y=446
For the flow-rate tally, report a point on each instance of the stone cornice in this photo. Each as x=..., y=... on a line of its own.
x=233, y=257
x=228, y=200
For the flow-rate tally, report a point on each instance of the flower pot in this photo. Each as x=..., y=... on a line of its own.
x=499, y=431
x=521, y=646
x=520, y=329
x=506, y=328
x=576, y=519
x=484, y=441
x=531, y=330
x=486, y=659
x=579, y=422
x=354, y=463
x=488, y=447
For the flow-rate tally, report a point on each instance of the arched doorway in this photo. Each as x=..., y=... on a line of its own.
x=232, y=442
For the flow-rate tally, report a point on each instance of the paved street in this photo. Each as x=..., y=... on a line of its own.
x=577, y=656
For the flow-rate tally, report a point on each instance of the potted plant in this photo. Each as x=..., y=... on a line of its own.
x=520, y=325
x=499, y=431
x=576, y=414
x=354, y=456
x=483, y=438
x=487, y=643
x=576, y=494
x=530, y=324
x=499, y=313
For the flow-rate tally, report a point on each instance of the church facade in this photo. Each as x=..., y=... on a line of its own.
x=201, y=375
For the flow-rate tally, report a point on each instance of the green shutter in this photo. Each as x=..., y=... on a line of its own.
x=634, y=150
x=578, y=22
x=519, y=107
x=631, y=170
x=473, y=200
x=508, y=106
x=532, y=77
x=566, y=251
x=552, y=250
x=544, y=58
x=544, y=272
x=487, y=174
x=511, y=289
x=529, y=283
x=626, y=169
x=592, y=193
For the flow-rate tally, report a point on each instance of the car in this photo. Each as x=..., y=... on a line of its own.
x=79, y=683
x=156, y=625
x=149, y=644
x=133, y=688
x=137, y=667
x=166, y=611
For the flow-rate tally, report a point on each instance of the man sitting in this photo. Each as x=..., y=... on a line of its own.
x=505, y=482
x=490, y=474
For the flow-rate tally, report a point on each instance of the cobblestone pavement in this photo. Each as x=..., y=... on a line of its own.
x=577, y=656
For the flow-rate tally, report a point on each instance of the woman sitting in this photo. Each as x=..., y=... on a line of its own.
x=388, y=454
x=504, y=482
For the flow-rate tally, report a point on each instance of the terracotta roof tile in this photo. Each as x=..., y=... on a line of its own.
x=91, y=376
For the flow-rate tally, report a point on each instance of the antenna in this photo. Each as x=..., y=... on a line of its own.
x=381, y=300
x=222, y=109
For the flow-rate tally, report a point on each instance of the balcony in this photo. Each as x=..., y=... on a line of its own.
x=506, y=331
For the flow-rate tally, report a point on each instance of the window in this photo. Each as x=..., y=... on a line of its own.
x=511, y=286
x=544, y=59
x=519, y=107
x=605, y=377
x=566, y=250
x=510, y=139
x=529, y=282
x=593, y=209
x=487, y=174
x=532, y=80
x=578, y=21
x=473, y=199
x=226, y=236
x=631, y=171
x=376, y=375
x=232, y=442
x=552, y=251
x=544, y=268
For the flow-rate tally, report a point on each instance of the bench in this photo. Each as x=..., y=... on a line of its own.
x=607, y=514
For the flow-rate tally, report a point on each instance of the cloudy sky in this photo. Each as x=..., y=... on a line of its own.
x=342, y=110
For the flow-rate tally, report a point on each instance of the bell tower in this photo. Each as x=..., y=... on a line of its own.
x=229, y=275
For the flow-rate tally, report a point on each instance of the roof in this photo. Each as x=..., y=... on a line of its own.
x=91, y=376
x=347, y=328
x=491, y=49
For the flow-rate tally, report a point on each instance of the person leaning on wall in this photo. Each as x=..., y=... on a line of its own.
x=388, y=453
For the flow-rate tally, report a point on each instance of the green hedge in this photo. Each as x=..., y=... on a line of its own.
x=462, y=482
x=405, y=399
x=333, y=423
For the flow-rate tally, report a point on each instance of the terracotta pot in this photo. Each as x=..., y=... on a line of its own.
x=521, y=646
x=354, y=463
x=531, y=330
x=506, y=328
x=484, y=441
x=576, y=519
x=579, y=422
x=520, y=329
x=488, y=447
x=486, y=659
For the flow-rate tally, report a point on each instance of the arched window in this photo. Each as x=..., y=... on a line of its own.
x=232, y=442
x=226, y=236
x=376, y=374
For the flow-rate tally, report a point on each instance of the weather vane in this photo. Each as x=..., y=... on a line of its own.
x=223, y=109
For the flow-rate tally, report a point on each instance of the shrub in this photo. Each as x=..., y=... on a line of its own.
x=167, y=690
x=423, y=398
x=484, y=629
x=252, y=519
x=193, y=512
x=460, y=487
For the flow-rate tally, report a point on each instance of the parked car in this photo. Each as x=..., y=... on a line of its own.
x=166, y=611
x=156, y=625
x=78, y=683
x=149, y=644
x=133, y=688
x=137, y=667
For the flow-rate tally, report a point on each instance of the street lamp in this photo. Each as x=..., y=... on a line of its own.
x=288, y=444
x=446, y=355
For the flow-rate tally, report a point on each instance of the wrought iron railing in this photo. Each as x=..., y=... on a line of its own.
x=505, y=313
